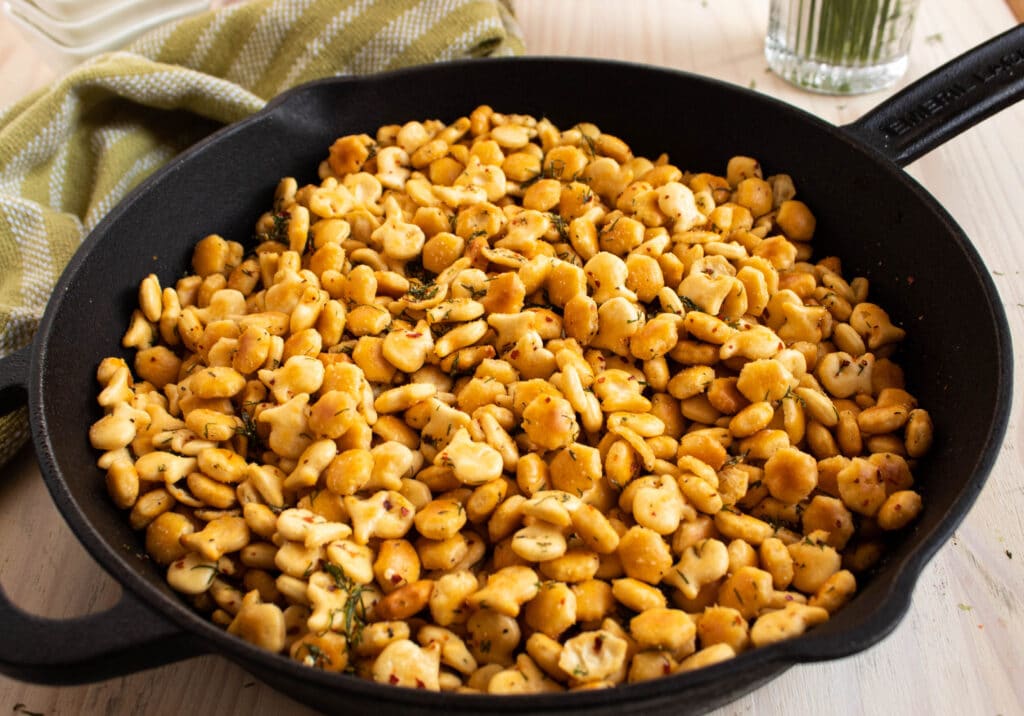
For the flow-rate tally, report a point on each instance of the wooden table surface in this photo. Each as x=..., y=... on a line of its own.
x=958, y=651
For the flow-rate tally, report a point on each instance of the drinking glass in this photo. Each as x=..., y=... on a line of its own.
x=840, y=46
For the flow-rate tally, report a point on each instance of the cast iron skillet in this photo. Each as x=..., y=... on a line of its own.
x=884, y=226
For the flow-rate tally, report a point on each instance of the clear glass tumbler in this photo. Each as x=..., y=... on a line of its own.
x=840, y=46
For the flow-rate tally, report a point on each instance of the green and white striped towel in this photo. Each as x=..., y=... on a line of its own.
x=71, y=151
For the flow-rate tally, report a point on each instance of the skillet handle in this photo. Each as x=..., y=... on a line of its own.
x=14, y=379
x=126, y=638
x=947, y=101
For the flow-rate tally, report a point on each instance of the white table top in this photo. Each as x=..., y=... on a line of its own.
x=958, y=651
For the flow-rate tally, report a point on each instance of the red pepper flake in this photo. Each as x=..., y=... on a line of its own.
x=413, y=335
x=387, y=504
x=308, y=520
x=404, y=511
x=514, y=354
x=397, y=579
x=393, y=679
x=598, y=643
x=420, y=684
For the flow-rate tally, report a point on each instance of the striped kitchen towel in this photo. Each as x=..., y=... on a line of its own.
x=71, y=151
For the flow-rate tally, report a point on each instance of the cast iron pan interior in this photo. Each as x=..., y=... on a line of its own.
x=879, y=221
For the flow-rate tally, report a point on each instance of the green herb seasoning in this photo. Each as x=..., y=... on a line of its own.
x=423, y=291
x=354, y=611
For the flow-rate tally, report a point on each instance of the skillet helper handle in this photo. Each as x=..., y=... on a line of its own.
x=126, y=638
x=14, y=379
x=947, y=101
